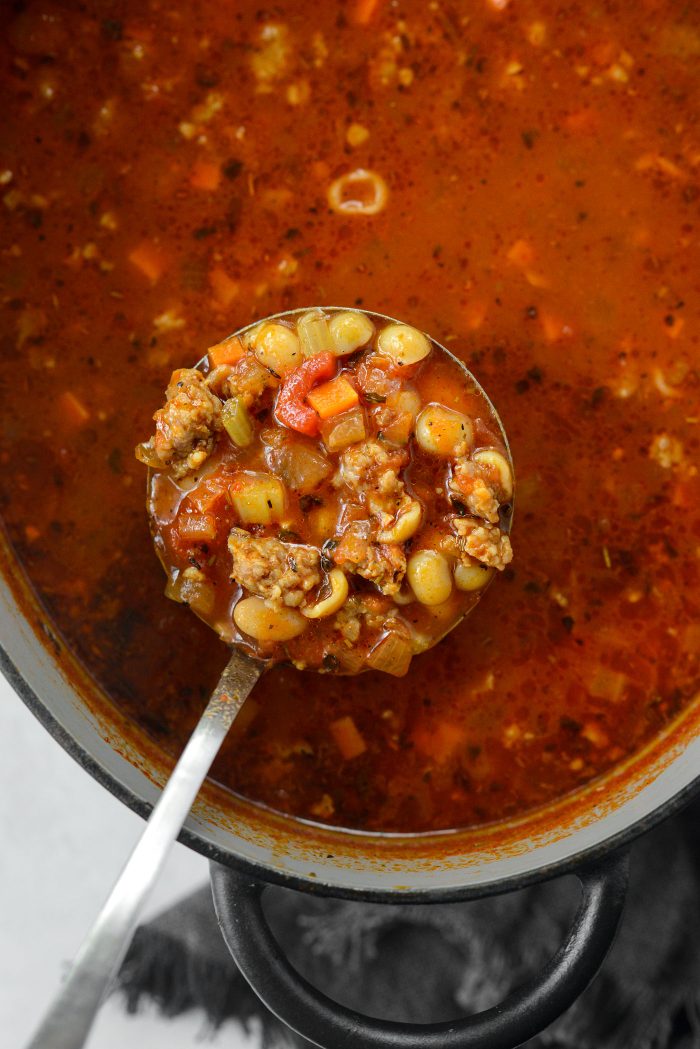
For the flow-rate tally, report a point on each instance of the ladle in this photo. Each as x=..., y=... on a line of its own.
x=69, y=1019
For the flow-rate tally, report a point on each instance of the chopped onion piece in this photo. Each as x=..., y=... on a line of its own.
x=392, y=654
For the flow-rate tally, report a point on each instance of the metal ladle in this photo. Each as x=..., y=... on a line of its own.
x=69, y=1019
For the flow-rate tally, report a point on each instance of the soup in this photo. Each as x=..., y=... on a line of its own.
x=521, y=180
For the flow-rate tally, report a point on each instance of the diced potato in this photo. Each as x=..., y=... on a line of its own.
x=314, y=336
x=349, y=331
x=322, y=522
x=258, y=498
x=344, y=430
x=237, y=422
x=347, y=737
x=442, y=431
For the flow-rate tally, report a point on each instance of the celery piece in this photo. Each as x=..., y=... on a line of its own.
x=237, y=422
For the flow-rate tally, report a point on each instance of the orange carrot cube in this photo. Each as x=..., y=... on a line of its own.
x=333, y=397
x=205, y=175
x=227, y=352
x=554, y=327
x=521, y=254
x=149, y=259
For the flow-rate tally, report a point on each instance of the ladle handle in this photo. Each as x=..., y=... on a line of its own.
x=67, y=1023
x=522, y=1015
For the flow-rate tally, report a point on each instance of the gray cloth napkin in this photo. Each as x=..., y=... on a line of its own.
x=372, y=957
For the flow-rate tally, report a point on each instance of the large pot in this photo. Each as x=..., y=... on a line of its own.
x=583, y=833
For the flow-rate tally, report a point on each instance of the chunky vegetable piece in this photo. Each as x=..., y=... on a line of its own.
x=328, y=524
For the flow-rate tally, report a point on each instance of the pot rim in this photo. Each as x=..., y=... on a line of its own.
x=268, y=875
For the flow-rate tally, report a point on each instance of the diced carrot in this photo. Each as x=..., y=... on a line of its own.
x=149, y=259
x=440, y=741
x=227, y=352
x=72, y=409
x=365, y=11
x=205, y=175
x=554, y=328
x=334, y=397
x=225, y=290
x=521, y=254
x=347, y=737
x=31, y=533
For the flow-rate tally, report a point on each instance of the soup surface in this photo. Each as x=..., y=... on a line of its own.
x=521, y=180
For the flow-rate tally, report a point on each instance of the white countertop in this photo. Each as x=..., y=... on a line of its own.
x=65, y=839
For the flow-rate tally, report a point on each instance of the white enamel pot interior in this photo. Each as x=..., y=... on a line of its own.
x=452, y=865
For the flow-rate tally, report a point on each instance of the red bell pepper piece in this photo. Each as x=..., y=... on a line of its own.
x=291, y=408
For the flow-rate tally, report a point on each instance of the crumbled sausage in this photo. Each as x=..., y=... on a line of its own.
x=186, y=425
x=483, y=541
x=280, y=573
x=468, y=484
x=383, y=564
x=248, y=380
x=362, y=609
x=348, y=622
x=372, y=471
